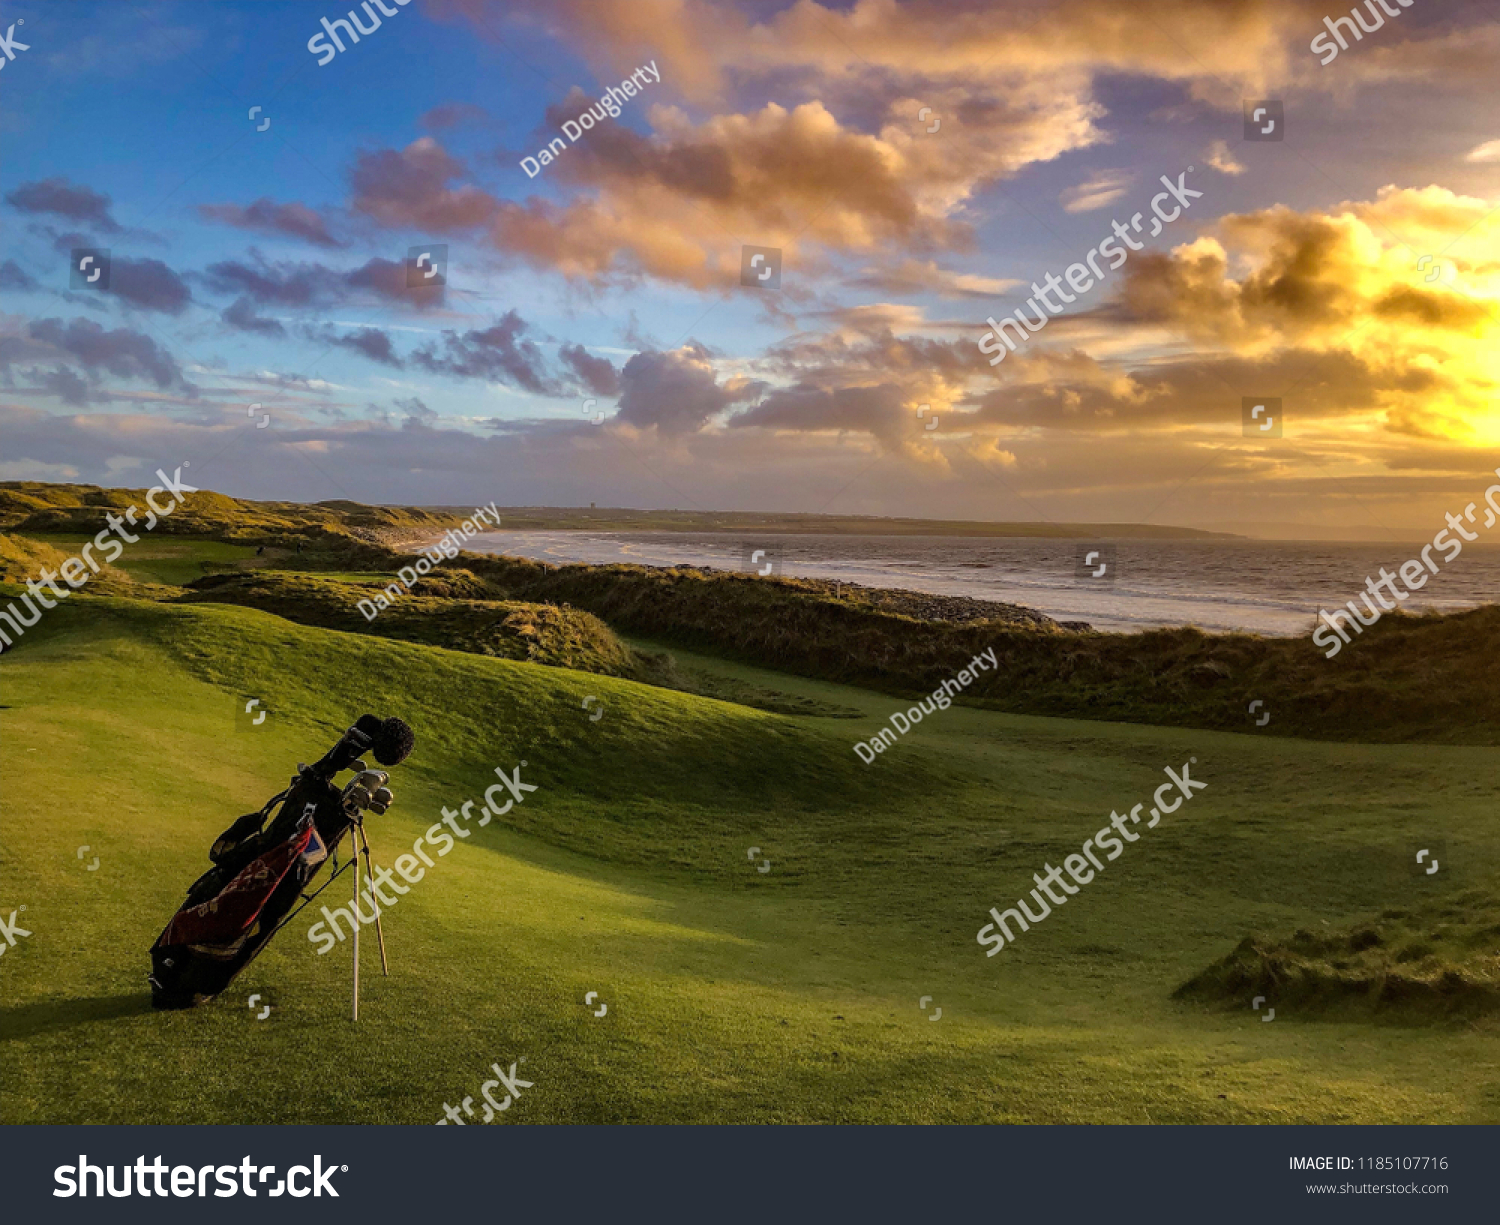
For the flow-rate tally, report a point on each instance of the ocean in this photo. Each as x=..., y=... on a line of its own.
x=1265, y=587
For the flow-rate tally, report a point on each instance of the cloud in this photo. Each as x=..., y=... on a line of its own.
x=882, y=410
x=120, y=44
x=1487, y=152
x=267, y=217
x=597, y=374
x=305, y=285
x=241, y=316
x=13, y=276
x=31, y=470
x=59, y=198
x=149, y=284
x=408, y=189
x=918, y=277
x=370, y=342
x=672, y=205
x=416, y=411
x=68, y=387
x=285, y=284
x=708, y=51
x=451, y=116
x=387, y=279
x=677, y=391
x=1222, y=160
x=1308, y=278
x=1099, y=191
x=498, y=354
x=120, y=351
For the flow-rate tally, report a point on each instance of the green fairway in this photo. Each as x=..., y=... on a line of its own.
x=162, y=559
x=733, y=995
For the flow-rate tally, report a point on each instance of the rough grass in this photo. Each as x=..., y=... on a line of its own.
x=540, y=633
x=1409, y=678
x=21, y=558
x=1438, y=960
x=34, y=506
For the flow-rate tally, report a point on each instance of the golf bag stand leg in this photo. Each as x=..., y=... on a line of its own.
x=357, y=925
x=364, y=838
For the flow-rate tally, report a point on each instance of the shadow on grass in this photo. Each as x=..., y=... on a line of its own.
x=45, y=1016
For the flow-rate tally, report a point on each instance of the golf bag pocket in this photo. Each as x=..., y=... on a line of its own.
x=235, y=836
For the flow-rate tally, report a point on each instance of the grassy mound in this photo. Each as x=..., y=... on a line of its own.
x=561, y=637
x=1439, y=960
x=32, y=506
x=22, y=558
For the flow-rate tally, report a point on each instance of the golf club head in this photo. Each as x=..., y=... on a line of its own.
x=378, y=809
x=392, y=742
x=359, y=767
x=383, y=797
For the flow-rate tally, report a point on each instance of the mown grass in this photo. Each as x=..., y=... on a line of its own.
x=733, y=995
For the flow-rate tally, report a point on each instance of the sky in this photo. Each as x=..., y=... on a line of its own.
x=592, y=329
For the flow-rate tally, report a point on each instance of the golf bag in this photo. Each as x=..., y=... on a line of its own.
x=261, y=868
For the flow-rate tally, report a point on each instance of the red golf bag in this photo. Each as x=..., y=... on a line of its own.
x=262, y=869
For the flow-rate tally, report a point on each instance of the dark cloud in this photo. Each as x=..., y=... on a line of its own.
x=68, y=387
x=268, y=217
x=698, y=170
x=242, y=317
x=60, y=198
x=149, y=284
x=64, y=241
x=370, y=342
x=285, y=284
x=309, y=284
x=677, y=391
x=881, y=410
x=120, y=351
x=416, y=410
x=497, y=354
x=408, y=188
x=597, y=374
x=13, y=276
x=1074, y=392
x=387, y=279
